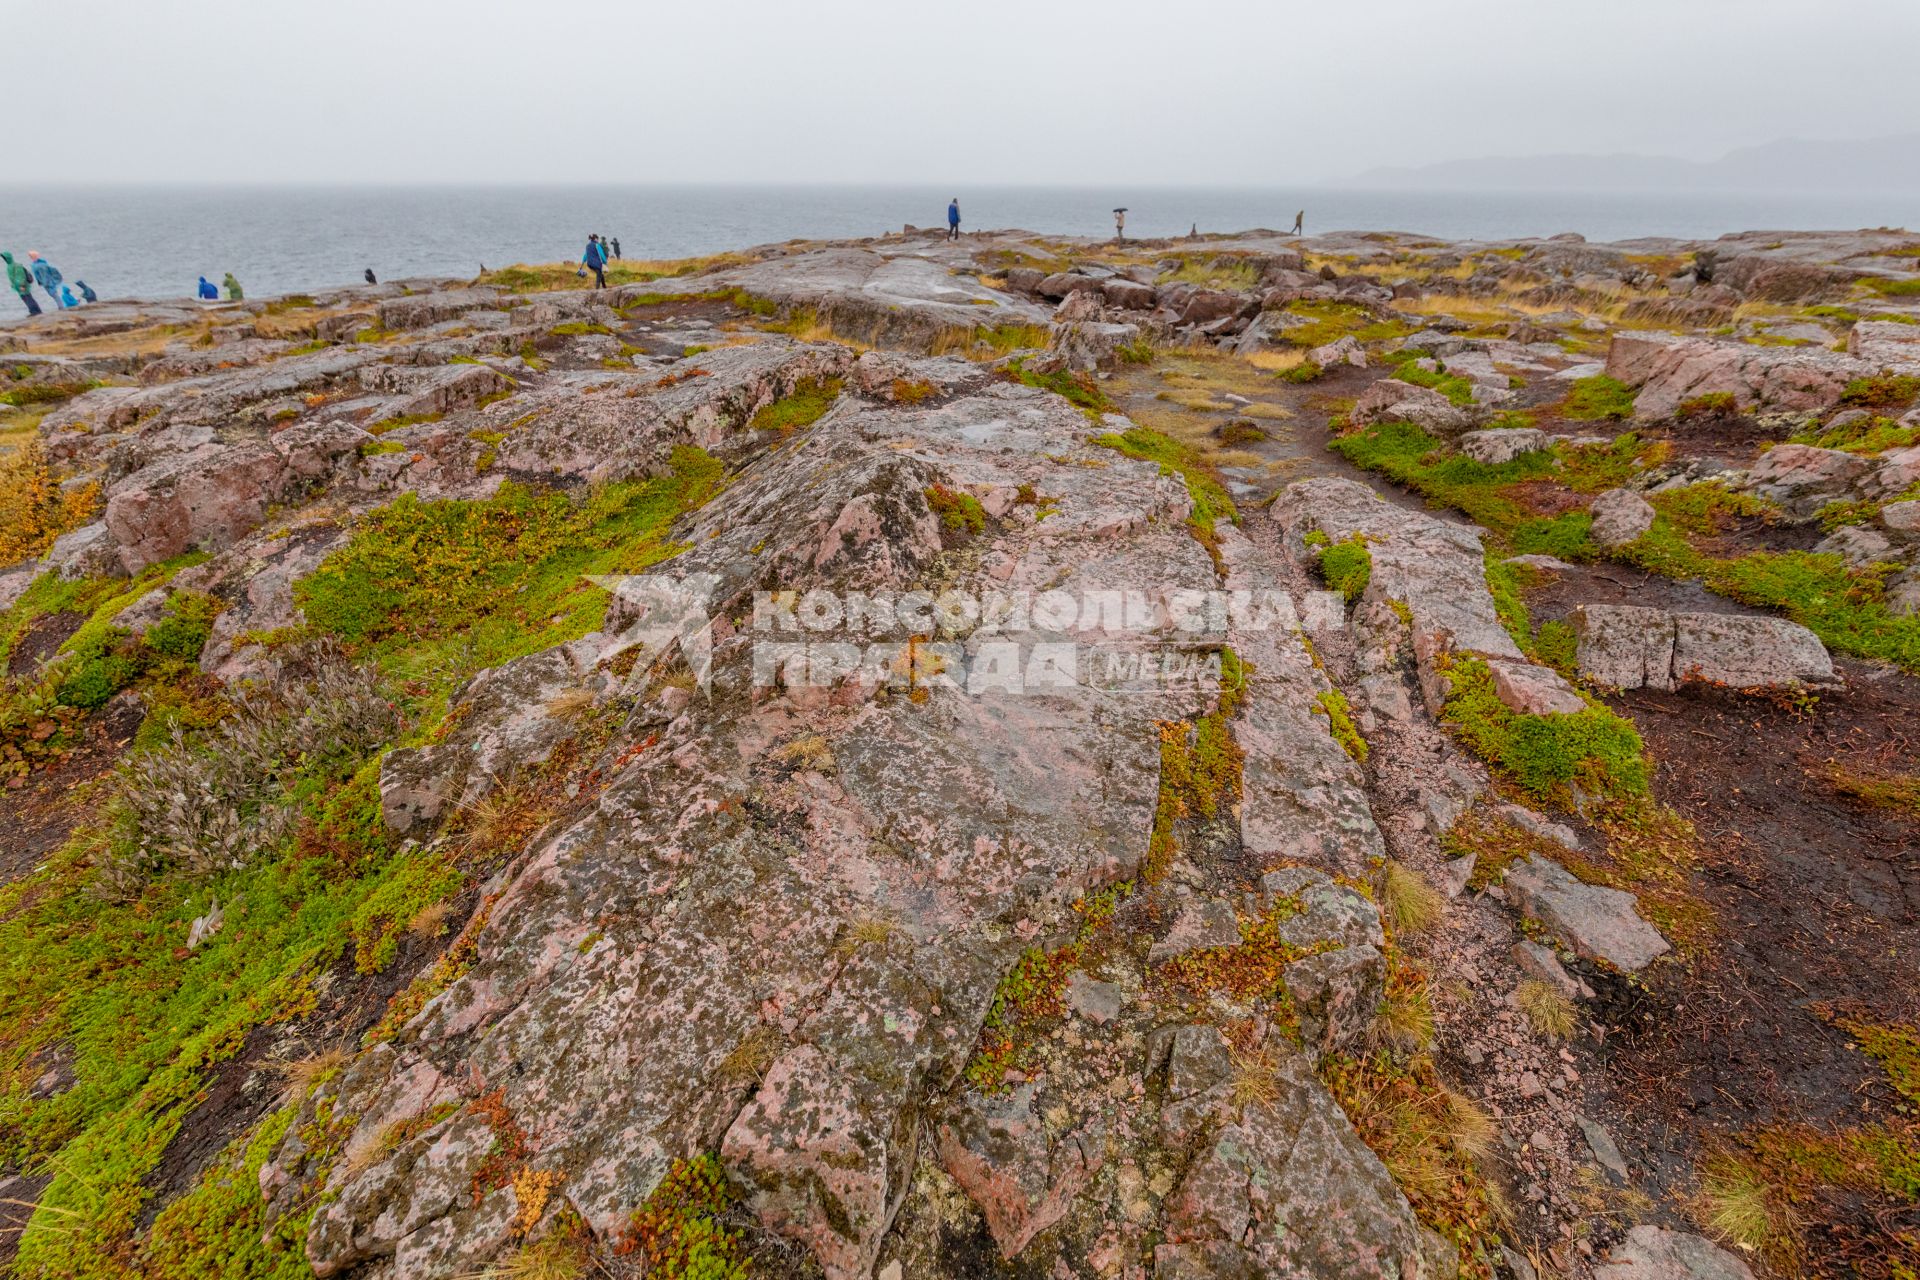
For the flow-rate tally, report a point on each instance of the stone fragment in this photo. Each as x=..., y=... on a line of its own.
x=1600, y=923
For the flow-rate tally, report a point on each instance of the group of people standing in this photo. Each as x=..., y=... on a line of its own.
x=207, y=291
x=600, y=251
x=36, y=270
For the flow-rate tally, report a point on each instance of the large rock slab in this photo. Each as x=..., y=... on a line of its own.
x=1631, y=647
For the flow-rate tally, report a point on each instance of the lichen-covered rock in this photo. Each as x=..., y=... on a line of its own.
x=1631, y=647
x=1285, y=1188
x=1619, y=517
x=1391, y=400
x=1502, y=444
x=1654, y=1253
x=1803, y=477
x=1667, y=370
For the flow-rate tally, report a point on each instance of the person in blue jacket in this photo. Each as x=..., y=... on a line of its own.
x=66, y=297
x=46, y=274
x=953, y=219
x=86, y=291
x=595, y=260
x=208, y=291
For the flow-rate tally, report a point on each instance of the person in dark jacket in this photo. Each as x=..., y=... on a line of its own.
x=232, y=287
x=595, y=260
x=46, y=274
x=616, y=246
x=370, y=279
x=207, y=291
x=953, y=219
x=21, y=280
x=86, y=291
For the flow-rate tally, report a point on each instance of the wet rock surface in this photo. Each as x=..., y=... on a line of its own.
x=1089, y=980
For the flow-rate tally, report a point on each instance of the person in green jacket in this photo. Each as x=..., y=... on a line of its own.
x=22, y=281
x=232, y=287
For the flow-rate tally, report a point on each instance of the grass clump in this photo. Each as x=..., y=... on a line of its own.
x=805, y=405
x=1217, y=272
x=447, y=587
x=1410, y=903
x=1077, y=388
x=1899, y=792
x=1456, y=389
x=1598, y=398
x=959, y=511
x=1549, y=1012
x=1332, y=704
x=1713, y=404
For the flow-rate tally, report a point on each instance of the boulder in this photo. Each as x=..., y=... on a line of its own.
x=1857, y=544
x=1804, y=477
x=1619, y=517
x=1061, y=283
x=1391, y=400
x=1884, y=342
x=1502, y=444
x=1092, y=344
x=1599, y=923
x=1128, y=295
x=1654, y=1253
x=1630, y=647
x=1534, y=690
x=1341, y=351
x=1901, y=517
x=1667, y=370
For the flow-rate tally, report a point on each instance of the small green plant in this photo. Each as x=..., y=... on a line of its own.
x=1598, y=397
x=1346, y=566
x=1881, y=390
x=805, y=405
x=1332, y=704
x=679, y=1231
x=959, y=511
x=1595, y=750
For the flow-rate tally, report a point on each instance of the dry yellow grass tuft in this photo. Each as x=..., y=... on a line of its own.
x=1412, y=905
x=1551, y=1013
x=298, y=1076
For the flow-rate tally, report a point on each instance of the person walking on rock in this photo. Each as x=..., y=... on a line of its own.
x=953, y=219
x=1120, y=224
x=595, y=260
x=22, y=281
x=616, y=246
x=46, y=274
x=1299, y=222
x=370, y=279
x=232, y=287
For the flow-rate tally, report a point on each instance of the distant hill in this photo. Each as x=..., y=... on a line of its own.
x=1795, y=164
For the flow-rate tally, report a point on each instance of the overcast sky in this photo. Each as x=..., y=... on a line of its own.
x=1216, y=92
